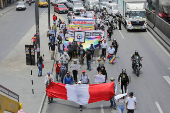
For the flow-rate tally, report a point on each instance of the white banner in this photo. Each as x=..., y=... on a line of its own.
x=99, y=78
x=75, y=67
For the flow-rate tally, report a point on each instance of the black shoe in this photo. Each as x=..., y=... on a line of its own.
x=111, y=105
x=48, y=102
x=115, y=107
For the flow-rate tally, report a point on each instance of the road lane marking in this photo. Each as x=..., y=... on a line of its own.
x=159, y=108
x=121, y=34
x=167, y=79
x=159, y=44
x=102, y=110
x=43, y=12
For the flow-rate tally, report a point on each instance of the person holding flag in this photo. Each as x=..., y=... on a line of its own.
x=111, y=54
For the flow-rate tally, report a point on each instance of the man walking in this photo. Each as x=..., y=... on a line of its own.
x=123, y=77
x=75, y=46
x=89, y=59
x=68, y=79
x=54, y=17
x=49, y=78
x=57, y=69
x=104, y=47
x=81, y=53
x=109, y=31
x=131, y=103
x=84, y=78
x=54, y=28
x=63, y=72
x=64, y=31
x=120, y=21
x=92, y=49
x=65, y=58
x=52, y=46
x=70, y=50
x=61, y=48
x=112, y=101
x=75, y=71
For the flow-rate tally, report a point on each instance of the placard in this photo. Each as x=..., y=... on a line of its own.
x=99, y=78
x=75, y=67
x=79, y=36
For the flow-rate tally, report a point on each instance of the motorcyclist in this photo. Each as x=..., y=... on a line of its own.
x=136, y=54
x=123, y=77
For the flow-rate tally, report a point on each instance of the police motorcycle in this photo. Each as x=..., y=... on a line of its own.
x=137, y=65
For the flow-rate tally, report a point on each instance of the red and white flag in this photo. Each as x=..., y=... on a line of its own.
x=81, y=93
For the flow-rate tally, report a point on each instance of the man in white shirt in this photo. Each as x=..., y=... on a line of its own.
x=49, y=32
x=111, y=50
x=49, y=78
x=67, y=36
x=104, y=47
x=65, y=58
x=131, y=103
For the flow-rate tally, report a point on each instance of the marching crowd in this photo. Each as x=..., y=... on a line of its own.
x=76, y=50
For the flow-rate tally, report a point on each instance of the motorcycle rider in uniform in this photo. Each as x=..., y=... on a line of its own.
x=124, y=80
x=136, y=54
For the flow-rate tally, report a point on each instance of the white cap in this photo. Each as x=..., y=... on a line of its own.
x=79, y=82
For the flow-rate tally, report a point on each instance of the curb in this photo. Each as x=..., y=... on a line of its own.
x=159, y=38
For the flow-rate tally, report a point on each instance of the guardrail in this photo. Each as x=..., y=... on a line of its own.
x=9, y=92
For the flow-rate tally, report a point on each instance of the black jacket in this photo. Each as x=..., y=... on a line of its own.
x=124, y=78
x=52, y=47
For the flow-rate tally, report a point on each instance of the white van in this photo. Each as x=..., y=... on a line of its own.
x=112, y=9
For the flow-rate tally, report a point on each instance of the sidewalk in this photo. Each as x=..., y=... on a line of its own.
x=16, y=75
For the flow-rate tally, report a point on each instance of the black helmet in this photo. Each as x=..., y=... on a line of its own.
x=123, y=70
x=136, y=52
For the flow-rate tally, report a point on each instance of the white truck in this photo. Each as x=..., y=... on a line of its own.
x=133, y=14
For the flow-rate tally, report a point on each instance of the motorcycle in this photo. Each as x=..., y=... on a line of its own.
x=106, y=20
x=137, y=65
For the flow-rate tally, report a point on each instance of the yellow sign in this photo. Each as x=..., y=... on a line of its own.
x=8, y=104
x=82, y=27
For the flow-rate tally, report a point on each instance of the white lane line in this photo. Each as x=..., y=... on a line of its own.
x=121, y=34
x=102, y=110
x=159, y=44
x=159, y=108
x=167, y=79
x=43, y=12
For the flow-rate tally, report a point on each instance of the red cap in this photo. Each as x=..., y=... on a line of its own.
x=69, y=42
x=83, y=71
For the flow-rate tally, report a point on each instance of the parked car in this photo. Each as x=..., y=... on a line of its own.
x=102, y=5
x=32, y=1
x=91, y=5
x=69, y=6
x=60, y=8
x=77, y=8
x=59, y=2
x=20, y=6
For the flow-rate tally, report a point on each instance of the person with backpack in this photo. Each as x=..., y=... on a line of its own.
x=84, y=78
x=39, y=64
x=57, y=69
x=92, y=49
x=70, y=50
x=62, y=73
x=68, y=78
x=123, y=77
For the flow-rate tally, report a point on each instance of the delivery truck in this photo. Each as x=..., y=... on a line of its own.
x=133, y=14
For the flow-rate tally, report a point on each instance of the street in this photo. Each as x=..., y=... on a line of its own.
x=151, y=88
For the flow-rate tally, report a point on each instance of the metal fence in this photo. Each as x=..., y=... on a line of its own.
x=159, y=23
x=9, y=92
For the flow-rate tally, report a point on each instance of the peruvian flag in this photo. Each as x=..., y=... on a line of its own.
x=81, y=93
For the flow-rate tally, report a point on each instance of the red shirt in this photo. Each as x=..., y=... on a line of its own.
x=54, y=17
x=58, y=68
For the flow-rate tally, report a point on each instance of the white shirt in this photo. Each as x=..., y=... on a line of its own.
x=67, y=36
x=131, y=102
x=61, y=47
x=120, y=101
x=50, y=31
x=104, y=45
x=84, y=78
x=98, y=21
x=65, y=58
x=111, y=51
x=47, y=78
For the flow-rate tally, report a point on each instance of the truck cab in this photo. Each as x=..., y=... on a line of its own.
x=134, y=14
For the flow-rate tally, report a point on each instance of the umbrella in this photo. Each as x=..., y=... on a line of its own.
x=21, y=111
x=120, y=95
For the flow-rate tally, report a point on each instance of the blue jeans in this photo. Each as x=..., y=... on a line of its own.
x=92, y=53
x=89, y=64
x=61, y=51
x=57, y=76
x=112, y=101
x=39, y=69
x=121, y=108
x=54, y=33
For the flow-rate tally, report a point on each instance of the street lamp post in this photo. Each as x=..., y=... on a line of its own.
x=48, y=13
x=37, y=28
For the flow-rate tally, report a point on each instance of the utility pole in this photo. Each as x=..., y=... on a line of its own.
x=37, y=28
x=48, y=13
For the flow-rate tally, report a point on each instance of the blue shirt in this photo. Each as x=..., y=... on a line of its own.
x=68, y=80
x=52, y=39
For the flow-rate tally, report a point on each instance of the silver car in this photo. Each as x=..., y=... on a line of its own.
x=20, y=6
x=91, y=5
x=77, y=8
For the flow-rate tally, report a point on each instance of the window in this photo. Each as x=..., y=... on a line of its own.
x=61, y=6
x=136, y=14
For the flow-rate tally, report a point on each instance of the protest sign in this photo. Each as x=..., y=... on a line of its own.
x=82, y=27
x=99, y=78
x=62, y=26
x=75, y=67
x=83, y=21
x=79, y=36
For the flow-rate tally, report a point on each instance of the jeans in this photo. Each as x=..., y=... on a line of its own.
x=130, y=111
x=54, y=33
x=75, y=72
x=89, y=64
x=70, y=55
x=57, y=76
x=61, y=51
x=40, y=69
x=121, y=108
x=104, y=52
x=92, y=53
x=112, y=102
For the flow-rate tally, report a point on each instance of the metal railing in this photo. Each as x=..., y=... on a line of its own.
x=9, y=92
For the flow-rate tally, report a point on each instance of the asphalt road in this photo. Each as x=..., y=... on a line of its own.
x=150, y=88
x=14, y=25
